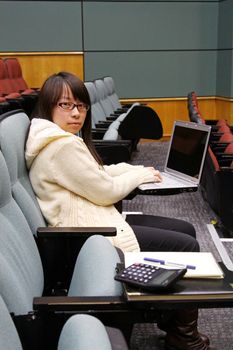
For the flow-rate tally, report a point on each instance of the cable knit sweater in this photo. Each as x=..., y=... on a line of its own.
x=73, y=189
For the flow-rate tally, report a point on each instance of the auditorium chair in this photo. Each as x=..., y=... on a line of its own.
x=193, y=110
x=19, y=85
x=143, y=129
x=22, y=271
x=218, y=123
x=5, y=86
x=80, y=332
x=196, y=116
x=14, y=99
x=14, y=72
x=101, y=117
x=222, y=142
x=138, y=122
x=112, y=95
x=51, y=241
x=210, y=180
x=226, y=197
x=125, y=131
x=104, y=97
x=225, y=158
x=64, y=240
x=217, y=189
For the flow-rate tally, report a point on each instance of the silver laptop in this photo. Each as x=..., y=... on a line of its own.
x=184, y=161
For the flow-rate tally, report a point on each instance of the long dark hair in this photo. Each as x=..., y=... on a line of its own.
x=50, y=94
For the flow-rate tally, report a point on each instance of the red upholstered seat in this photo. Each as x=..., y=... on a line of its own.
x=5, y=85
x=14, y=73
x=15, y=87
x=221, y=122
x=226, y=137
x=229, y=148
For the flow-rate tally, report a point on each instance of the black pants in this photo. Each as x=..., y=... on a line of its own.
x=157, y=233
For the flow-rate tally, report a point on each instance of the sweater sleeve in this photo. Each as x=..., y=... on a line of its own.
x=120, y=168
x=74, y=168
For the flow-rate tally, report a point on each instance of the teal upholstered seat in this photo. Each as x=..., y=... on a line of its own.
x=13, y=132
x=21, y=271
x=80, y=332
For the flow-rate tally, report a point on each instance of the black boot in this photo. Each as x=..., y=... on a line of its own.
x=166, y=321
x=183, y=334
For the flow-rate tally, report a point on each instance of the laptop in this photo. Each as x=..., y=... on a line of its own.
x=184, y=160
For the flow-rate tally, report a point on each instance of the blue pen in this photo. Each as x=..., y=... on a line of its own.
x=168, y=263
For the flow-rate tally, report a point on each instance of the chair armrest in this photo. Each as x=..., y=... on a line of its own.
x=113, y=153
x=226, y=169
x=67, y=232
x=121, y=110
x=217, y=144
x=64, y=303
x=215, y=136
x=101, y=130
x=222, y=156
x=98, y=134
x=59, y=248
x=117, y=112
x=112, y=117
x=126, y=143
x=216, y=133
x=225, y=162
x=104, y=124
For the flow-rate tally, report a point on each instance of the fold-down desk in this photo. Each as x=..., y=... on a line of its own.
x=202, y=293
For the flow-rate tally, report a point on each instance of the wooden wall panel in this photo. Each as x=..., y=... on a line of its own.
x=37, y=67
x=224, y=109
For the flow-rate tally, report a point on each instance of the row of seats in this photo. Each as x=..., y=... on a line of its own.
x=217, y=178
x=34, y=262
x=14, y=91
x=105, y=114
x=119, y=125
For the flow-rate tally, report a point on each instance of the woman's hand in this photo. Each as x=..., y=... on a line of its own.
x=156, y=174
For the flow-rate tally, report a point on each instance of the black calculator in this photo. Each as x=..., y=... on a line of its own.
x=149, y=277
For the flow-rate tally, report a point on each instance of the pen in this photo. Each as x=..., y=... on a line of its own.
x=168, y=263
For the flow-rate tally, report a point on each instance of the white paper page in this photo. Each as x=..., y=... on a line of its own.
x=204, y=263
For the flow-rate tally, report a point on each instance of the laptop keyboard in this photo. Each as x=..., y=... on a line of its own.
x=168, y=182
x=171, y=181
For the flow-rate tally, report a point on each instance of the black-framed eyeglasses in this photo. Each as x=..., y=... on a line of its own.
x=69, y=106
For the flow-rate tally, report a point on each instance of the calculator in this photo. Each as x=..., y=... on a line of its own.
x=149, y=277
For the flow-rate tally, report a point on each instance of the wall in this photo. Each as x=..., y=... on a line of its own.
x=152, y=48
x=40, y=26
x=156, y=50
x=225, y=53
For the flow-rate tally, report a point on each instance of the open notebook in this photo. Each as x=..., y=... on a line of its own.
x=202, y=264
x=184, y=161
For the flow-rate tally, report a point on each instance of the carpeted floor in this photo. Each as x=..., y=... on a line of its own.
x=216, y=323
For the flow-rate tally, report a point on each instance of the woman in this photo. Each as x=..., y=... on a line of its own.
x=74, y=188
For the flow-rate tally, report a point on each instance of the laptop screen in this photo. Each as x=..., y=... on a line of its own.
x=187, y=149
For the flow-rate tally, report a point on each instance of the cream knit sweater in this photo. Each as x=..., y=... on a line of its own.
x=73, y=189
